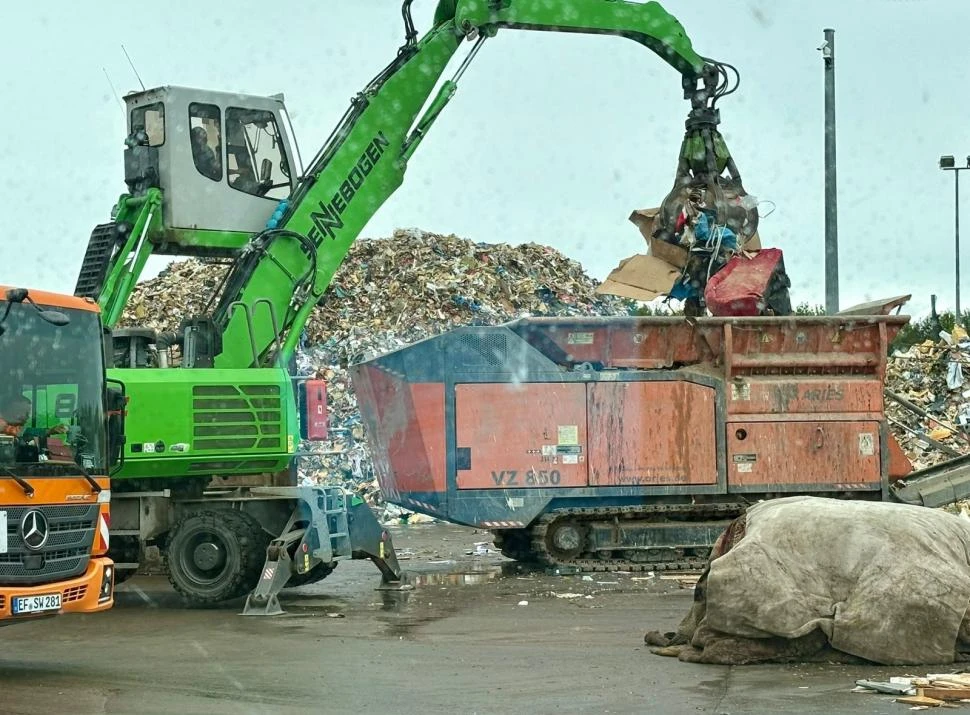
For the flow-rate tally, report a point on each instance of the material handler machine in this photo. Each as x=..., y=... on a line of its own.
x=213, y=429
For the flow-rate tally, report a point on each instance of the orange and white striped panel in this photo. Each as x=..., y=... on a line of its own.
x=102, y=537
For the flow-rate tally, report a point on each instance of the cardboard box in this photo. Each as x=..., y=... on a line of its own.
x=640, y=277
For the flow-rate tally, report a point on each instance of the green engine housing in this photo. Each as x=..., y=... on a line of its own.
x=207, y=422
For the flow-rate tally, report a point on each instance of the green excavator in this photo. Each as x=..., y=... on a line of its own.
x=217, y=411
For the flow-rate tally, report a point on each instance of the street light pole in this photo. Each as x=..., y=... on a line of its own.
x=831, y=193
x=947, y=163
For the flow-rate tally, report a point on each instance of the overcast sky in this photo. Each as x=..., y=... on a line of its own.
x=551, y=138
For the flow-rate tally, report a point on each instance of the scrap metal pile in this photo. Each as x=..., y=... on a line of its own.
x=391, y=292
x=928, y=399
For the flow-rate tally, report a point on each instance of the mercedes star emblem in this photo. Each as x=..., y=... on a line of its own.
x=34, y=530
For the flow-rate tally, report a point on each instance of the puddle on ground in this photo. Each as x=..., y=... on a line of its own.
x=456, y=578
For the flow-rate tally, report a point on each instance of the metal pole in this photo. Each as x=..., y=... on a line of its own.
x=831, y=204
x=956, y=213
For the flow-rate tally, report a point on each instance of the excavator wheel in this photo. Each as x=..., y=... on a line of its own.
x=124, y=549
x=215, y=555
x=565, y=539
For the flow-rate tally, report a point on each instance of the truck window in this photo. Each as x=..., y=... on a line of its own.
x=151, y=118
x=256, y=162
x=205, y=133
x=51, y=402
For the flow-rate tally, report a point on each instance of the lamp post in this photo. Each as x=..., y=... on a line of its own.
x=831, y=193
x=947, y=163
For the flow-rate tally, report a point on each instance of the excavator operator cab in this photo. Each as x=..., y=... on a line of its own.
x=222, y=160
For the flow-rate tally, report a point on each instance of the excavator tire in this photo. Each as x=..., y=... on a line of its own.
x=215, y=555
x=124, y=549
x=317, y=573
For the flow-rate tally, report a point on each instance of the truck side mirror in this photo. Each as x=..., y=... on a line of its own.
x=266, y=171
x=314, y=418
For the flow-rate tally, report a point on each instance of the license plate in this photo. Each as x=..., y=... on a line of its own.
x=36, y=604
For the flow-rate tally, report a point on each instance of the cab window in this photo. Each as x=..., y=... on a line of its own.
x=255, y=160
x=151, y=118
x=205, y=133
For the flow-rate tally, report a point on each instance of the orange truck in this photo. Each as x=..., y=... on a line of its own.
x=61, y=428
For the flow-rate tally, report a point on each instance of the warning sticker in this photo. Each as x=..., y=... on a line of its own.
x=740, y=392
x=746, y=466
x=579, y=339
x=568, y=434
x=745, y=458
x=867, y=444
x=570, y=459
x=569, y=449
x=548, y=450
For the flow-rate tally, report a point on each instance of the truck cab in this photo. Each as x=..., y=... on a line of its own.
x=56, y=449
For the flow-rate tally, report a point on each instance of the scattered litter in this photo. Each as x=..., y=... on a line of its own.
x=587, y=578
x=335, y=615
x=567, y=595
x=684, y=580
x=523, y=603
x=890, y=688
x=933, y=690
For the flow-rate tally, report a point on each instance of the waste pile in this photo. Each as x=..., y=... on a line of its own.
x=391, y=292
x=928, y=399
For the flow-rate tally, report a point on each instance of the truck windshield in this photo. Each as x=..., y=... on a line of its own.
x=51, y=393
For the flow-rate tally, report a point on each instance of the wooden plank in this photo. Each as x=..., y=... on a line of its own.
x=947, y=693
x=919, y=700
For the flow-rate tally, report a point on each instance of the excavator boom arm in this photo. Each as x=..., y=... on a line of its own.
x=646, y=23
x=290, y=265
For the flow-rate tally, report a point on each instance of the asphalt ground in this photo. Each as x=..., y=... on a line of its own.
x=477, y=634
